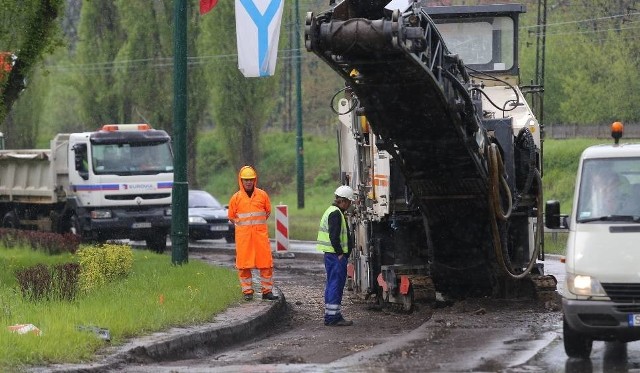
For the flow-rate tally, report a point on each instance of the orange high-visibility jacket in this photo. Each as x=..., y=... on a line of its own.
x=250, y=214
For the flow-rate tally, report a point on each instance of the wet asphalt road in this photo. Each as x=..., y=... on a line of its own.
x=541, y=352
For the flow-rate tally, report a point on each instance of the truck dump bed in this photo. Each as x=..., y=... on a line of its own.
x=34, y=175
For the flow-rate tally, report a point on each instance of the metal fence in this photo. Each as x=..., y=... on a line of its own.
x=600, y=131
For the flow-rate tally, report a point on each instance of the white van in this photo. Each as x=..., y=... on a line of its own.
x=601, y=294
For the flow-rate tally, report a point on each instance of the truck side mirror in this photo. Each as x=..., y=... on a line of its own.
x=552, y=217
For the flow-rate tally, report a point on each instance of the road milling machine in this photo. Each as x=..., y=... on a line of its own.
x=441, y=147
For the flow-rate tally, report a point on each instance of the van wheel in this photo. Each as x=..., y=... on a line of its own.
x=575, y=344
x=10, y=220
x=157, y=242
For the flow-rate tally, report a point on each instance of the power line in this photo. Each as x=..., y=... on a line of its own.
x=161, y=63
x=576, y=32
x=584, y=20
x=284, y=54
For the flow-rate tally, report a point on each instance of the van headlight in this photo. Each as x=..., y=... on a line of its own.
x=585, y=285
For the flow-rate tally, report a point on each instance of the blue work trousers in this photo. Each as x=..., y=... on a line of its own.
x=336, y=279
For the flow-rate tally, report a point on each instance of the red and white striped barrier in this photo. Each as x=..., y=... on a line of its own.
x=282, y=228
x=282, y=231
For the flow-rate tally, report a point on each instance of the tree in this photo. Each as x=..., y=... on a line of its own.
x=591, y=62
x=131, y=67
x=100, y=38
x=30, y=31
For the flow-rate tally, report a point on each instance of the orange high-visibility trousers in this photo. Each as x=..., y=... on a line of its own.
x=266, y=280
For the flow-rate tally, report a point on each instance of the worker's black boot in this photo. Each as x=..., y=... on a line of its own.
x=270, y=296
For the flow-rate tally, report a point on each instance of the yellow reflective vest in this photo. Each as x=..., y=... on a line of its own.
x=324, y=242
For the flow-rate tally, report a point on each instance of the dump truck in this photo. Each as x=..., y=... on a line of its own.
x=442, y=148
x=113, y=183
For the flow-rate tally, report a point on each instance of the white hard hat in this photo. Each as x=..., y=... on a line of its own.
x=345, y=191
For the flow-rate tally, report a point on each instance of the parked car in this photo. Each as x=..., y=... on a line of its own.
x=208, y=219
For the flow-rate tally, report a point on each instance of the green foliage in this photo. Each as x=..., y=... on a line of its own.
x=211, y=161
x=122, y=72
x=103, y=264
x=590, y=63
x=277, y=168
x=143, y=95
x=555, y=243
x=561, y=158
x=101, y=36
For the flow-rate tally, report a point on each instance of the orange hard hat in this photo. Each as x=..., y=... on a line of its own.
x=247, y=172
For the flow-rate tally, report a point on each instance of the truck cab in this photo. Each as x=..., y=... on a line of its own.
x=120, y=183
x=601, y=294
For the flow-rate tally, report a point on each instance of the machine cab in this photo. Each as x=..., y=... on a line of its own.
x=484, y=37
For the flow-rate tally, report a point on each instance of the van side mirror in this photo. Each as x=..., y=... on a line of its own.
x=552, y=217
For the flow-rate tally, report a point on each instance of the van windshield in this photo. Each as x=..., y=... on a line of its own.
x=609, y=190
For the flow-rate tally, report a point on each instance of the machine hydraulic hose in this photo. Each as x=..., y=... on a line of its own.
x=502, y=255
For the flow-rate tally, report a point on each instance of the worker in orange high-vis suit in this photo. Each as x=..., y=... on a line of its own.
x=249, y=209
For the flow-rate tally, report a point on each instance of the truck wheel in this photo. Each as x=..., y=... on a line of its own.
x=157, y=242
x=10, y=220
x=575, y=344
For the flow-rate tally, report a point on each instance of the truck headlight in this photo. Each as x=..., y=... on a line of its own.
x=585, y=285
x=167, y=212
x=197, y=220
x=101, y=214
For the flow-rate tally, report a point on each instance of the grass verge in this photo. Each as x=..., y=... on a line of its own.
x=156, y=296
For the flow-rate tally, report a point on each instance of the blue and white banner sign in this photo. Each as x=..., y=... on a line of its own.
x=258, y=30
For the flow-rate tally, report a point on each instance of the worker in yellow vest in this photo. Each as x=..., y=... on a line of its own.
x=335, y=240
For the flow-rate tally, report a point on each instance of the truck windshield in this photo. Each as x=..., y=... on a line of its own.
x=486, y=44
x=132, y=158
x=609, y=190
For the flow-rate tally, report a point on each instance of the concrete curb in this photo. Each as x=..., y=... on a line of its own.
x=239, y=323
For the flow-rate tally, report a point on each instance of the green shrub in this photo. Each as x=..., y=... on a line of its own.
x=102, y=264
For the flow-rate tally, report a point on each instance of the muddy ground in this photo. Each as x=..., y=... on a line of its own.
x=473, y=334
